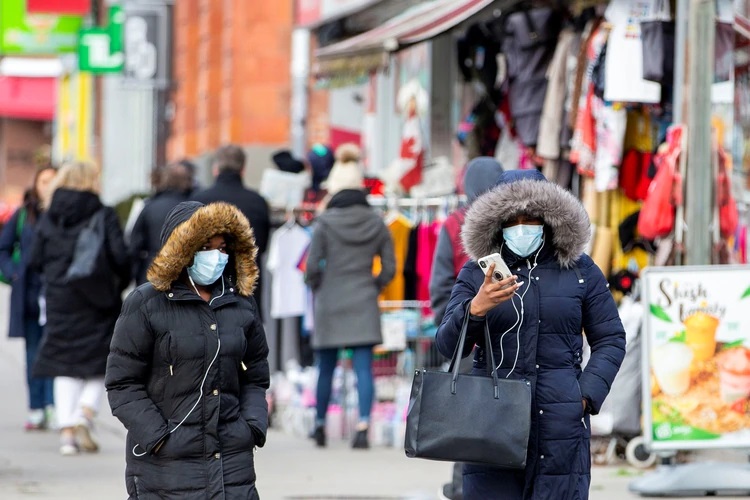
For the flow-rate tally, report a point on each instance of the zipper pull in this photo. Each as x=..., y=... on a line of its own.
x=244, y=368
x=171, y=371
x=583, y=420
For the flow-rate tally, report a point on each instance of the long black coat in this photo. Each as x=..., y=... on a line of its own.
x=145, y=239
x=78, y=332
x=564, y=293
x=191, y=375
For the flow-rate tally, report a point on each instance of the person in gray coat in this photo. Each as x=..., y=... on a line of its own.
x=347, y=237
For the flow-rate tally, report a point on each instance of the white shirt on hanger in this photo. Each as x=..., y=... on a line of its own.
x=288, y=290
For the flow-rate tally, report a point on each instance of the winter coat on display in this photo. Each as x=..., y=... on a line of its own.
x=564, y=294
x=339, y=271
x=79, y=324
x=145, y=240
x=186, y=377
x=27, y=284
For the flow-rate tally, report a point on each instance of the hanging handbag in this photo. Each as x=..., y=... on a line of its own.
x=468, y=418
x=657, y=216
x=658, y=37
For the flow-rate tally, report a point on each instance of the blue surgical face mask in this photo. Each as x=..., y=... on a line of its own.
x=524, y=239
x=208, y=266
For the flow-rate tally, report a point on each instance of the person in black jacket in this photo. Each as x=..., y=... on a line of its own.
x=173, y=184
x=188, y=367
x=228, y=168
x=80, y=314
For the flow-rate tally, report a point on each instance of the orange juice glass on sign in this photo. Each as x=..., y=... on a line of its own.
x=700, y=335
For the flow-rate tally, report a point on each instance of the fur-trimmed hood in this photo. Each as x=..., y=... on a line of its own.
x=187, y=228
x=562, y=213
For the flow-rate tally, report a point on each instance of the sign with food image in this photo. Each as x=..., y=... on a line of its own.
x=697, y=357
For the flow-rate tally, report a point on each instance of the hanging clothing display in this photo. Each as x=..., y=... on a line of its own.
x=288, y=289
x=400, y=228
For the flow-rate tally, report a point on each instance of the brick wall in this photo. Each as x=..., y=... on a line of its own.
x=231, y=68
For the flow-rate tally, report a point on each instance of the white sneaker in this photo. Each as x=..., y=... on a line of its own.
x=68, y=447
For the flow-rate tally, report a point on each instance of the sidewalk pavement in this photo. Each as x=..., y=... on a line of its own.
x=288, y=467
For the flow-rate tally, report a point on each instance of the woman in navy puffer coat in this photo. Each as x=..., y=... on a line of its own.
x=559, y=294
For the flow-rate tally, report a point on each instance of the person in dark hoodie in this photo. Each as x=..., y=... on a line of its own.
x=188, y=371
x=228, y=167
x=80, y=313
x=25, y=321
x=536, y=319
x=347, y=237
x=481, y=175
x=173, y=184
x=450, y=257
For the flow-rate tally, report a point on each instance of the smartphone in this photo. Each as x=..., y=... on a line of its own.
x=501, y=268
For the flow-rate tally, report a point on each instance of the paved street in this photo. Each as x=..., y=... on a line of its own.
x=288, y=468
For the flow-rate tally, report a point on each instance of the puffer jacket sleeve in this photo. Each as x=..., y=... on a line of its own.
x=116, y=249
x=316, y=258
x=128, y=368
x=605, y=335
x=387, y=258
x=449, y=332
x=255, y=379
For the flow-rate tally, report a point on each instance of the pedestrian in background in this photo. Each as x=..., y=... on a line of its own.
x=25, y=320
x=536, y=318
x=450, y=257
x=80, y=314
x=348, y=235
x=188, y=369
x=228, y=168
x=173, y=184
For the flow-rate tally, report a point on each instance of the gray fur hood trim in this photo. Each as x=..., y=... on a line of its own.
x=562, y=213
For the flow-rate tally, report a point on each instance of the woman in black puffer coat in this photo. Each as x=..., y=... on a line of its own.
x=188, y=372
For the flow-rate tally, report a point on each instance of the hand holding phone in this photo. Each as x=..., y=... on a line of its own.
x=493, y=292
x=500, y=272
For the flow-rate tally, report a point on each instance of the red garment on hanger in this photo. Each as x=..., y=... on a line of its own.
x=426, y=246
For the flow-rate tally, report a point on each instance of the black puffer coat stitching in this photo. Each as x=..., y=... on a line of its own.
x=160, y=370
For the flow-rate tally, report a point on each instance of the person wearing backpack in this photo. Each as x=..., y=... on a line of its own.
x=84, y=277
x=16, y=240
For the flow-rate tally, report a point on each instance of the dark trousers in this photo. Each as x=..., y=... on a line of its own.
x=362, y=361
x=40, y=389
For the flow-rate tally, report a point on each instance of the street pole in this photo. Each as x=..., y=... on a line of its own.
x=678, y=108
x=699, y=179
x=300, y=69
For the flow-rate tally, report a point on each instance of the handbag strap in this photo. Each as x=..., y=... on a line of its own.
x=454, y=366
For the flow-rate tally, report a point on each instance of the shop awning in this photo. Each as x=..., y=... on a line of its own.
x=369, y=51
x=28, y=98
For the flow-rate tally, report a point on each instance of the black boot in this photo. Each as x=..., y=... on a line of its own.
x=319, y=436
x=360, y=441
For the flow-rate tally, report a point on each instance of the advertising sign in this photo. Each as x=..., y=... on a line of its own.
x=147, y=45
x=697, y=357
x=100, y=49
x=44, y=34
x=77, y=7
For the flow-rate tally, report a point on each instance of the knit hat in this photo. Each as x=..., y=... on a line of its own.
x=346, y=172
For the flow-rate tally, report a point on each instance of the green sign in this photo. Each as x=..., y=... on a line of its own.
x=44, y=34
x=100, y=50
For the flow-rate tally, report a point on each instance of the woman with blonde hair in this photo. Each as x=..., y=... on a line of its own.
x=83, y=279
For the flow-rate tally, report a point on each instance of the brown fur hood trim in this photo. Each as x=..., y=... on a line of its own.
x=190, y=233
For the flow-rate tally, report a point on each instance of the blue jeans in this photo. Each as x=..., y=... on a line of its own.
x=40, y=389
x=362, y=361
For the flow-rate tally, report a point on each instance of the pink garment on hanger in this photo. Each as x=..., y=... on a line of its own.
x=427, y=244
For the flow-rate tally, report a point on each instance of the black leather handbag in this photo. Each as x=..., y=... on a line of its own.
x=468, y=418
